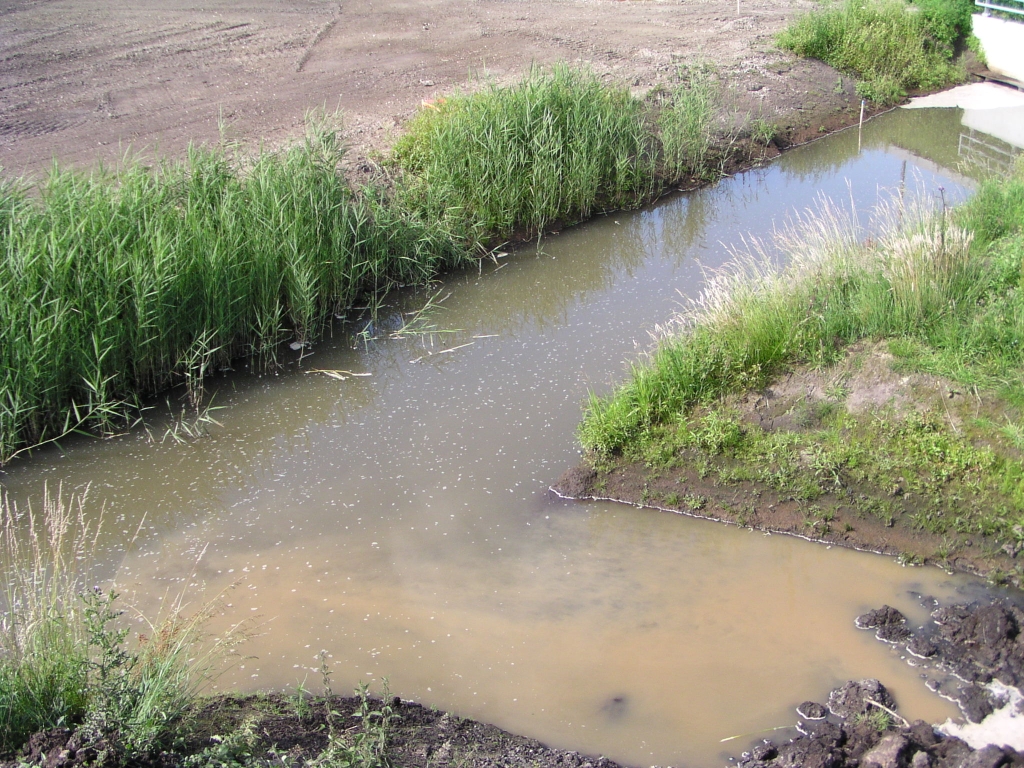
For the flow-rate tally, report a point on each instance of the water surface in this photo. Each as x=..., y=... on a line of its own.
x=401, y=521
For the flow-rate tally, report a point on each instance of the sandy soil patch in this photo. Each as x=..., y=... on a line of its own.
x=82, y=80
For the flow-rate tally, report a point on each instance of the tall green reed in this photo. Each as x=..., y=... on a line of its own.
x=510, y=161
x=123, y=283
x=686, y=127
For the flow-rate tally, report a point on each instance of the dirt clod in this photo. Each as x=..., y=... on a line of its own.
x=857, y=697
x=811, y=710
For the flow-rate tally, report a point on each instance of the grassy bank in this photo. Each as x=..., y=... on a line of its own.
x=928, y=293
x=119, y=284
x=892, y=46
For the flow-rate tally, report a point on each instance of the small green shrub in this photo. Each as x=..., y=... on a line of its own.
x=892, y=46
x=64, y=658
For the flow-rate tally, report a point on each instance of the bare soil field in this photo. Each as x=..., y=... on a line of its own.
x=81, y=81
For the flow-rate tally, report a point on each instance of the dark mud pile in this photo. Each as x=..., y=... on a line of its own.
x=859, y=726
x=975, y=644
x=283, y=736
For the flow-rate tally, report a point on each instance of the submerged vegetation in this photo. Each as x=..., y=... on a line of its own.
x=938, y=292
x=892, y=46
x=119, y=284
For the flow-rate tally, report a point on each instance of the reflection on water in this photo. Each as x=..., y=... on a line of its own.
x=991, y=122
x=401, y=520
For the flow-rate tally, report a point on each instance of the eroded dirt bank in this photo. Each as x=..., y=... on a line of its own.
x=280, y=735
x=908, y=509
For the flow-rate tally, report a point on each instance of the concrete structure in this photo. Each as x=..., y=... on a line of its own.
x=1003, y=44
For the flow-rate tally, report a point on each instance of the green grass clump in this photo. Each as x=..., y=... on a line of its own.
x=892, y=46
x=949, y=306
x=685, y=125
x=120, y=284
x=43, y=650
x=65, y=658
x=511, y=160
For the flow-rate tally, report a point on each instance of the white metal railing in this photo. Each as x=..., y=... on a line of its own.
x=984, y=151
x=989, y=7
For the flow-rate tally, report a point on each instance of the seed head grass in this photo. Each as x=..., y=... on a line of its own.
x=66, y=655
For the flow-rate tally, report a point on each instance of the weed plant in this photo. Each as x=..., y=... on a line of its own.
x=43, y=642
x=365, y=746
x=892, y=46
x=66, y=658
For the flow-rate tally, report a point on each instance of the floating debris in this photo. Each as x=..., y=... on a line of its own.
x=339, y=375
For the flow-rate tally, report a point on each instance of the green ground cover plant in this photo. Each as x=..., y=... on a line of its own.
x=944, y=285
x=891, y=46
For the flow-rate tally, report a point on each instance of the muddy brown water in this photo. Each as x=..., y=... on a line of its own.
x=401, y=520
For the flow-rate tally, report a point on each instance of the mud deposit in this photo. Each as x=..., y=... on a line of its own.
x=973, y=645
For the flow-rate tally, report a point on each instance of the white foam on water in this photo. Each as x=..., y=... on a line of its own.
x=1004, y=727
